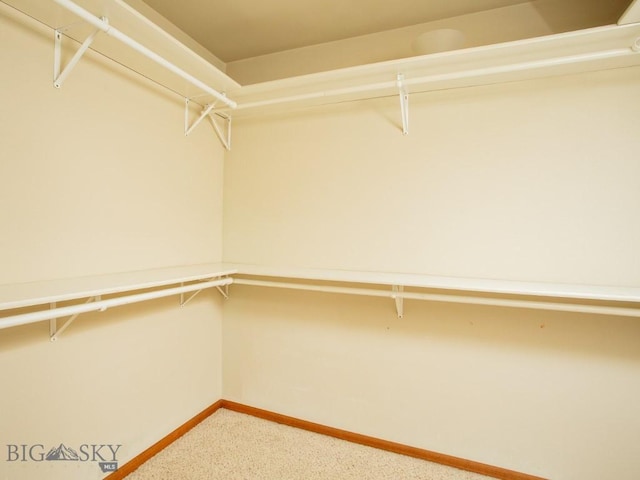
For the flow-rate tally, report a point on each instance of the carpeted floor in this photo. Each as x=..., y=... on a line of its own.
x=230, y=445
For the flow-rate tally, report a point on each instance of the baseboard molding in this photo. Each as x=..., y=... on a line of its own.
x=157, y=447
x=448, y=460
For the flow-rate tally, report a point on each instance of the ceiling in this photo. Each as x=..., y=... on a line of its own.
x=239, y=29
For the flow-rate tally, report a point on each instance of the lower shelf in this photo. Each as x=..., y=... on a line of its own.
x=605, y=300
x=139, y=286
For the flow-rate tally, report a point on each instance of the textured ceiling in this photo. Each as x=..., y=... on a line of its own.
x=238, y=29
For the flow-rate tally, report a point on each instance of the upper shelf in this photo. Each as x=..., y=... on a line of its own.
x=580, y=51
x=133, y=24
x=592, y=49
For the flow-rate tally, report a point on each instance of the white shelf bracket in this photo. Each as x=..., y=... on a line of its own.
x=58, y=76
x=183, y=302
x=53, y=322
x=205, y=111
x=404, y=104
x=54, y=332
x=222, y=125
x=221, y=122
x=224, y=291
x=399, y=299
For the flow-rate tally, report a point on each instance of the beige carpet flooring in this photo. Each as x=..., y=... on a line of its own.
x=230, y=445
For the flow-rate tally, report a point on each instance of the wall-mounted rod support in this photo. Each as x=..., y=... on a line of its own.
x=224, y=292
x=102, y=305
x=53, y=322
x=221, y=123
x=224, y=131
x=184, y=302
x=205, y=112
x=404, y=104
x=58, y=77
x=113, y=32
x=58, y=331
x=397, y=296
x=466, y=299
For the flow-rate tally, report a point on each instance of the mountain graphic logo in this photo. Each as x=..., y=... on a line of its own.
x=62, y=452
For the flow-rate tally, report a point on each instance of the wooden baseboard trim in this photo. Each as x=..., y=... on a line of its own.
x=448, y=460
x=157, y=447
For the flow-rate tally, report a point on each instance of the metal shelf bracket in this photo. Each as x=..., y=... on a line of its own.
x=222, y=125
x=183, y=302
x=54, y=331
x=58, y=76
x=399, y=299
x=404, y=104
x=221, y=122
x=224, y=291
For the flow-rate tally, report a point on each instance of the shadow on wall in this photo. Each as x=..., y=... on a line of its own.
x=496, y=328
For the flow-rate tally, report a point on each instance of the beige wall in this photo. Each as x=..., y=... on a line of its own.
x=97, y=177
x=523, y=181
x=527, y=181
x=549, y=394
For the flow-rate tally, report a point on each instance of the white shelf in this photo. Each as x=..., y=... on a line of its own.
x=589, y=299
x=607, y=47
x=136, y=26
x=560, y=54
x=38, y=293
x=151, y=284
x=458, y=284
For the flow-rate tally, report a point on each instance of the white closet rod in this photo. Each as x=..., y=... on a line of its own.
x=474, y=73
x=109, y=30
x=102, y=305
x=499, y=302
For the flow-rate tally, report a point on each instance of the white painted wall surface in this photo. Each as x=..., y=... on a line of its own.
x=98, y=177
x=526, y=181
x=543, y=393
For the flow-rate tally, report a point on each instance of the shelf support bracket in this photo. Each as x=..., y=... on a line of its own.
x=54, y=332
x=224, y=291
x=404, y=104
x=53, y=322
x=397, y=296
x=183, y=302
x=205, y=111
x=222, y=125
x=58, y=76
x=221, y=122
